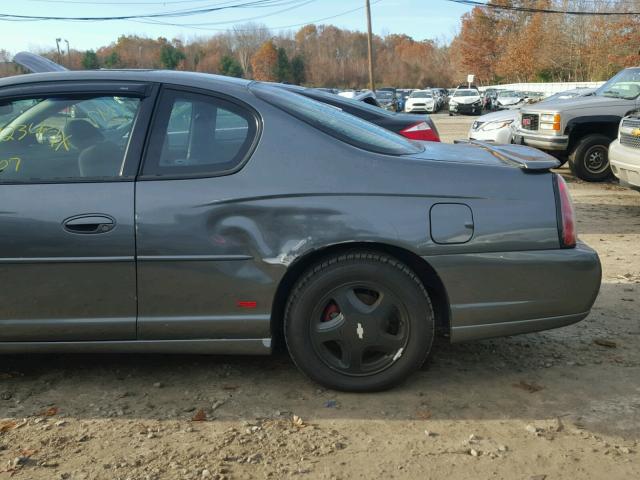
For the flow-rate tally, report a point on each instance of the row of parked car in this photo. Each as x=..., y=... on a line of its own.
x=500, y=99
x=408, y=100
x=596, y=131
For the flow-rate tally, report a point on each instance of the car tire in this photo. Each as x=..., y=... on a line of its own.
x=337, y=303
x=589, y=159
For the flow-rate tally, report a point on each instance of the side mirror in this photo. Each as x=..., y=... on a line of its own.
x=6, y=108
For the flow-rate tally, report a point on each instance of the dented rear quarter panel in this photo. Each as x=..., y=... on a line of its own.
x=204, y=244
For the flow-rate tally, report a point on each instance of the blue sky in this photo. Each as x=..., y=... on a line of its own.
x=421, y=19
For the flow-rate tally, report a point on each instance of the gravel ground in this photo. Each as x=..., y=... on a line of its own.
x=562, y=404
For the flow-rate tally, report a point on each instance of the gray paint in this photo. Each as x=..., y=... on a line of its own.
x=451, y=223
x=203, y=244
x=59, y=285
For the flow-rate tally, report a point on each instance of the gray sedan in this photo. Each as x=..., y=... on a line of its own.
x=177, y=212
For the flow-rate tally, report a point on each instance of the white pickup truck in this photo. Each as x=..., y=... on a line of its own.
x=580, y=129
x=624, y=152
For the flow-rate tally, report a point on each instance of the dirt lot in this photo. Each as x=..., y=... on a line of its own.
x=562, y=404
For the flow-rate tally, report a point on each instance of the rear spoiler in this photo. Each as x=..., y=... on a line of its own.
x=527, y=158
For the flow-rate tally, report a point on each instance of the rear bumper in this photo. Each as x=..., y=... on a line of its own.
x=499, y=294
x=625, y=164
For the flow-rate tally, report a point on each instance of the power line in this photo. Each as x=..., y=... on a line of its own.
x=281, y=27
x=176, y=13
x=298, y=4
x=539, y=10
x=123, y=2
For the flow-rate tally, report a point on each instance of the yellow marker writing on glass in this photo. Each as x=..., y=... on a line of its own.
x=4, y=164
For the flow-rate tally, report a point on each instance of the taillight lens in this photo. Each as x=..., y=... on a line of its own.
x=566, y=217
x=421, y=131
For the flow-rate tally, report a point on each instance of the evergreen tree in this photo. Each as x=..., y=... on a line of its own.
x=283, y=67
x=297, y=70
x=170, y=56
x=230, y=66
x=90, y=60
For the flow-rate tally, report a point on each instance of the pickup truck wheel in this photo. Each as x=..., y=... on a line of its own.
x=589, y=160
x=359, y=322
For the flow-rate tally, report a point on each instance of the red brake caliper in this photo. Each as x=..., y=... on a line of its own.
x=330, y=312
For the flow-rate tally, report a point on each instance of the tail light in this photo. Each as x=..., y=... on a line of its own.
x=565, y=214
x=421, y=131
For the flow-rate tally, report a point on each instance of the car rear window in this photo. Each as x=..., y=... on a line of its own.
x=335, y=122
x=349, y=105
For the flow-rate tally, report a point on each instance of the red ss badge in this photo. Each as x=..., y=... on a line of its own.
x=526, y=121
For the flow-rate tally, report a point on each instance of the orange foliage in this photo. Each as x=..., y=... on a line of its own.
x=265, y=62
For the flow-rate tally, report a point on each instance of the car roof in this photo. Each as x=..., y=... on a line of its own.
x=160, y=76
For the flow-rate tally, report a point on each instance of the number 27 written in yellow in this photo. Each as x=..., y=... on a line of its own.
x=5, y=163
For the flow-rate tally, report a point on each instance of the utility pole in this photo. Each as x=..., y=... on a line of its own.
x=68, y=53
x=372, y=85
x=58, y=40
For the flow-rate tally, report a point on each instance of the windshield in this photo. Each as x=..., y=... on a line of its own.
x=507, y=93
x=465, y=93
x=625, y=84
x=421, y=94
x=336, y=123
x=583, y=92
x=384, y=95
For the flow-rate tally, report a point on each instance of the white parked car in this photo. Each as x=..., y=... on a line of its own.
x=421, y=101
x=465, y=100
x=499, y=127
x=624, y=152
x=494, y=127
x=509, y=99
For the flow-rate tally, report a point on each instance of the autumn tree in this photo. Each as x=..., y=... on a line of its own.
x=265, y=63
x=7, y=67
x=245, y=40
x=497, y=45
x=476, y=48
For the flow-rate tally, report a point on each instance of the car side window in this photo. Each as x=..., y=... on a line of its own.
x=65, y=138
x=196, y=134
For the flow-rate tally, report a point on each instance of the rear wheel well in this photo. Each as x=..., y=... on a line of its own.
x=427, y=275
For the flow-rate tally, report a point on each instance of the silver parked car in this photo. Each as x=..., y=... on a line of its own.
x=168, y=212
x=500, y=126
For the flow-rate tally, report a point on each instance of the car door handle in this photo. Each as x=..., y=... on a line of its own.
x=90, y=223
